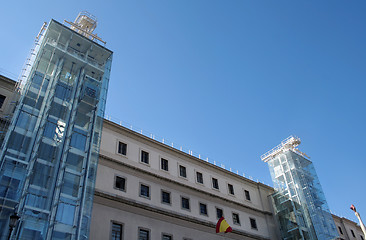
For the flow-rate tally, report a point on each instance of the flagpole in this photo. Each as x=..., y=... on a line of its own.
x=359, y=219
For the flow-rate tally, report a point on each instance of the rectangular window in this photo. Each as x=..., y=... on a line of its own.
x=165, y=197
x=122, y=148
x=2, y=100
x=182, y=171
x=199, y=177
x=247, y=195
x=203, y=209
x=219, y=213
x=116, y=231
x=164, y=164
x=236, y=219
x=144, y=234
x=353, y=234
x=185, y=203
x=166, y=237
x=231, y=188
x=144, y=191
x=340, y=230
x=253, y=223
x=120, y=183
x=144, y=157
x=215, y=183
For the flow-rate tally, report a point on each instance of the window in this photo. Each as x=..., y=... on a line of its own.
x=253, y=223
x=236, y=219
x=219, y=213
x=165, y=197
x=353, y=234
x=215, y=183
x=120, y=183
x=166, y=237
x=122, y=148
x=2, y=99
x=199, y=177
x=144, y=157
x=203, y=209
x=340, y=230
x=164, y=164
x=247, y=195
x=185, y=203
x=144, y=191
x=116, y=231
x=182, y=171
x=231, y=188
x=144, y=234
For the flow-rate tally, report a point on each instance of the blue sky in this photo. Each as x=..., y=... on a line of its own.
x=230, y=79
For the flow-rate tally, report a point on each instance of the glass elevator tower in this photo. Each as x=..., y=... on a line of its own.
x=49, y=156
x=299, y=202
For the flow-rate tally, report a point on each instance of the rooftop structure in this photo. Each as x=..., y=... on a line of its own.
x=299, y=202
x=50, y=152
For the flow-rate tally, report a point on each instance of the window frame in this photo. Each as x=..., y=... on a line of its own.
x=141, y=157
x=340, y=230
x=122, y=229
x=222, y=212
x=170, y=197
x=217, y=183
x=180, y=168
x=161, y=164
x=197, y=173
x=2, y=100
x=163, y=234
x=237, y=221
x=230, y=188
x=149, y=192
x=247, y=195
x=353, y=233
x=205, y=205
x=181, y=203
x=253, y=221
x=118, y=148
x=115, y=181
x=139, y=229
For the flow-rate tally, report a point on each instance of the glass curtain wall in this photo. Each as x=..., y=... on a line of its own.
x=50, y=153
x=299, y=201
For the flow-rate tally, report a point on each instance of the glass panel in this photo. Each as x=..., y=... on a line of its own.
x=74, y=161
x=63, y=91
x=116, y=231
x=47, y=152
x=43, y=176
x=65, y=213
x=18, y=142
x=71, y=184
x=78, y=139
x=26, y=121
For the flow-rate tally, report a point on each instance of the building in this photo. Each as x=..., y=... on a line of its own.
x=146, y=189
x=143, y=188
x=8, y=100
x=300, y=205
x=50, y=151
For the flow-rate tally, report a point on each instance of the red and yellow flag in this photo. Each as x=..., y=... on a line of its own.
x=223, y=226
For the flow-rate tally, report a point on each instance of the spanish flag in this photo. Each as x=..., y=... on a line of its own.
x=223, y=226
